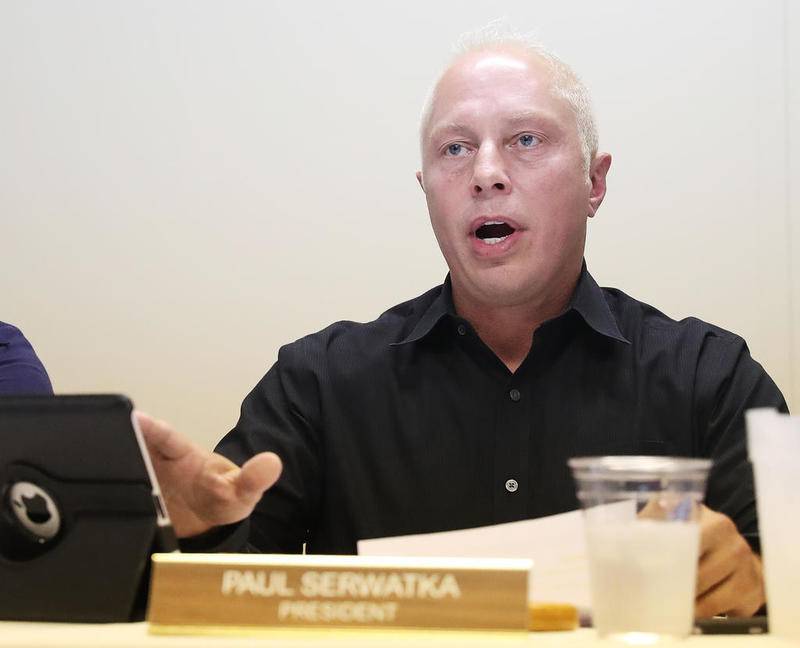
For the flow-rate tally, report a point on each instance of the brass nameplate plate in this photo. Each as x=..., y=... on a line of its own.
x=201, y=592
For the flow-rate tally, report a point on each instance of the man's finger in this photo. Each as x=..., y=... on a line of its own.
x=729, y=575
x=732, y=596
x=719, y=562
x=714, y=601
x=162, y=438
x=258, y=474
x=715, y=528
x=712, y=570
x=721, y=547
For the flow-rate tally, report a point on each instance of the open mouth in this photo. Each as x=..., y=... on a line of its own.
x=494, y=232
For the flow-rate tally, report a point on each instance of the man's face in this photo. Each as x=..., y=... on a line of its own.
x=505, y=180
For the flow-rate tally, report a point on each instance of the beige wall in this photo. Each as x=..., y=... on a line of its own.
x=184, y=186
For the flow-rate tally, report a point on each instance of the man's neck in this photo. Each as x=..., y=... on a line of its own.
x=508, y=330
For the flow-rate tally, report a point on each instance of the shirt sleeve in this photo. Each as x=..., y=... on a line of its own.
x=729, y=382
x=278, y=416
x=21, y=371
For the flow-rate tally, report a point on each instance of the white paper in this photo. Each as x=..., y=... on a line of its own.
x=556, y=545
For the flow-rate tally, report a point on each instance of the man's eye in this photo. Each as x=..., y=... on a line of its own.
x=456, y=150
x=527, y=140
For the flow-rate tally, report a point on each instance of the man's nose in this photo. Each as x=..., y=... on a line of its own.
x=489, y=175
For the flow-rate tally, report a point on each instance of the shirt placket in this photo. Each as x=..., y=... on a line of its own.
x=511, y=481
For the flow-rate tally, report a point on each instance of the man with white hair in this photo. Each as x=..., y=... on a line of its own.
x=461, y=407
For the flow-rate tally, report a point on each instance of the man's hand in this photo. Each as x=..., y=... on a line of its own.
x=730, y=578
x=203, y=489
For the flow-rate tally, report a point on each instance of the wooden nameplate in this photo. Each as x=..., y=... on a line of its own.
x=207, y=593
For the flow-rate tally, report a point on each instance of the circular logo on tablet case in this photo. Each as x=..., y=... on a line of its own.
x=35, y=510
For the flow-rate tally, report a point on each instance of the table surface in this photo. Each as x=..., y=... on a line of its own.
x=128, y=635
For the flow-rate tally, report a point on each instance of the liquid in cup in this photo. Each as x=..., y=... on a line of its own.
x=642, y=570
x=643, y=537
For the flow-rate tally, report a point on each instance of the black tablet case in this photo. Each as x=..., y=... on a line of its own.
x=84, y=452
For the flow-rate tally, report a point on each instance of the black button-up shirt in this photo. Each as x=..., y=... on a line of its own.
x=410, y=423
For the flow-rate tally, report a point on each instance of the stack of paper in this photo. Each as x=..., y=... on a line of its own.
x=556, y=544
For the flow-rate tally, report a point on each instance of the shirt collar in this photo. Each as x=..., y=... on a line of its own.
x=440, y=307
x=590, y=303
x=587, y=300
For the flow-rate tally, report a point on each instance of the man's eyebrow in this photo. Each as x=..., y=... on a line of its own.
x=532, y=115
x=450, y=127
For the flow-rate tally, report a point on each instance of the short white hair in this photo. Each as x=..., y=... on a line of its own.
x=499, y=35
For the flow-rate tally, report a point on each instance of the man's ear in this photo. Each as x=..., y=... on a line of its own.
x=598, y=170
x=419, y=179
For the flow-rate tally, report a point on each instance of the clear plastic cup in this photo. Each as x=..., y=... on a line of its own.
x=773, y=442
x=643, y=538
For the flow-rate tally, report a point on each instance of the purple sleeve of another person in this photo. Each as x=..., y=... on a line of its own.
x=21, y=371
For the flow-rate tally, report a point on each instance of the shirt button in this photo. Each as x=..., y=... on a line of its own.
x=515, y=395
x=462, y=330
x=512, y=485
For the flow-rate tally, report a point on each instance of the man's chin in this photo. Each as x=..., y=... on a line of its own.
x=502, y=290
